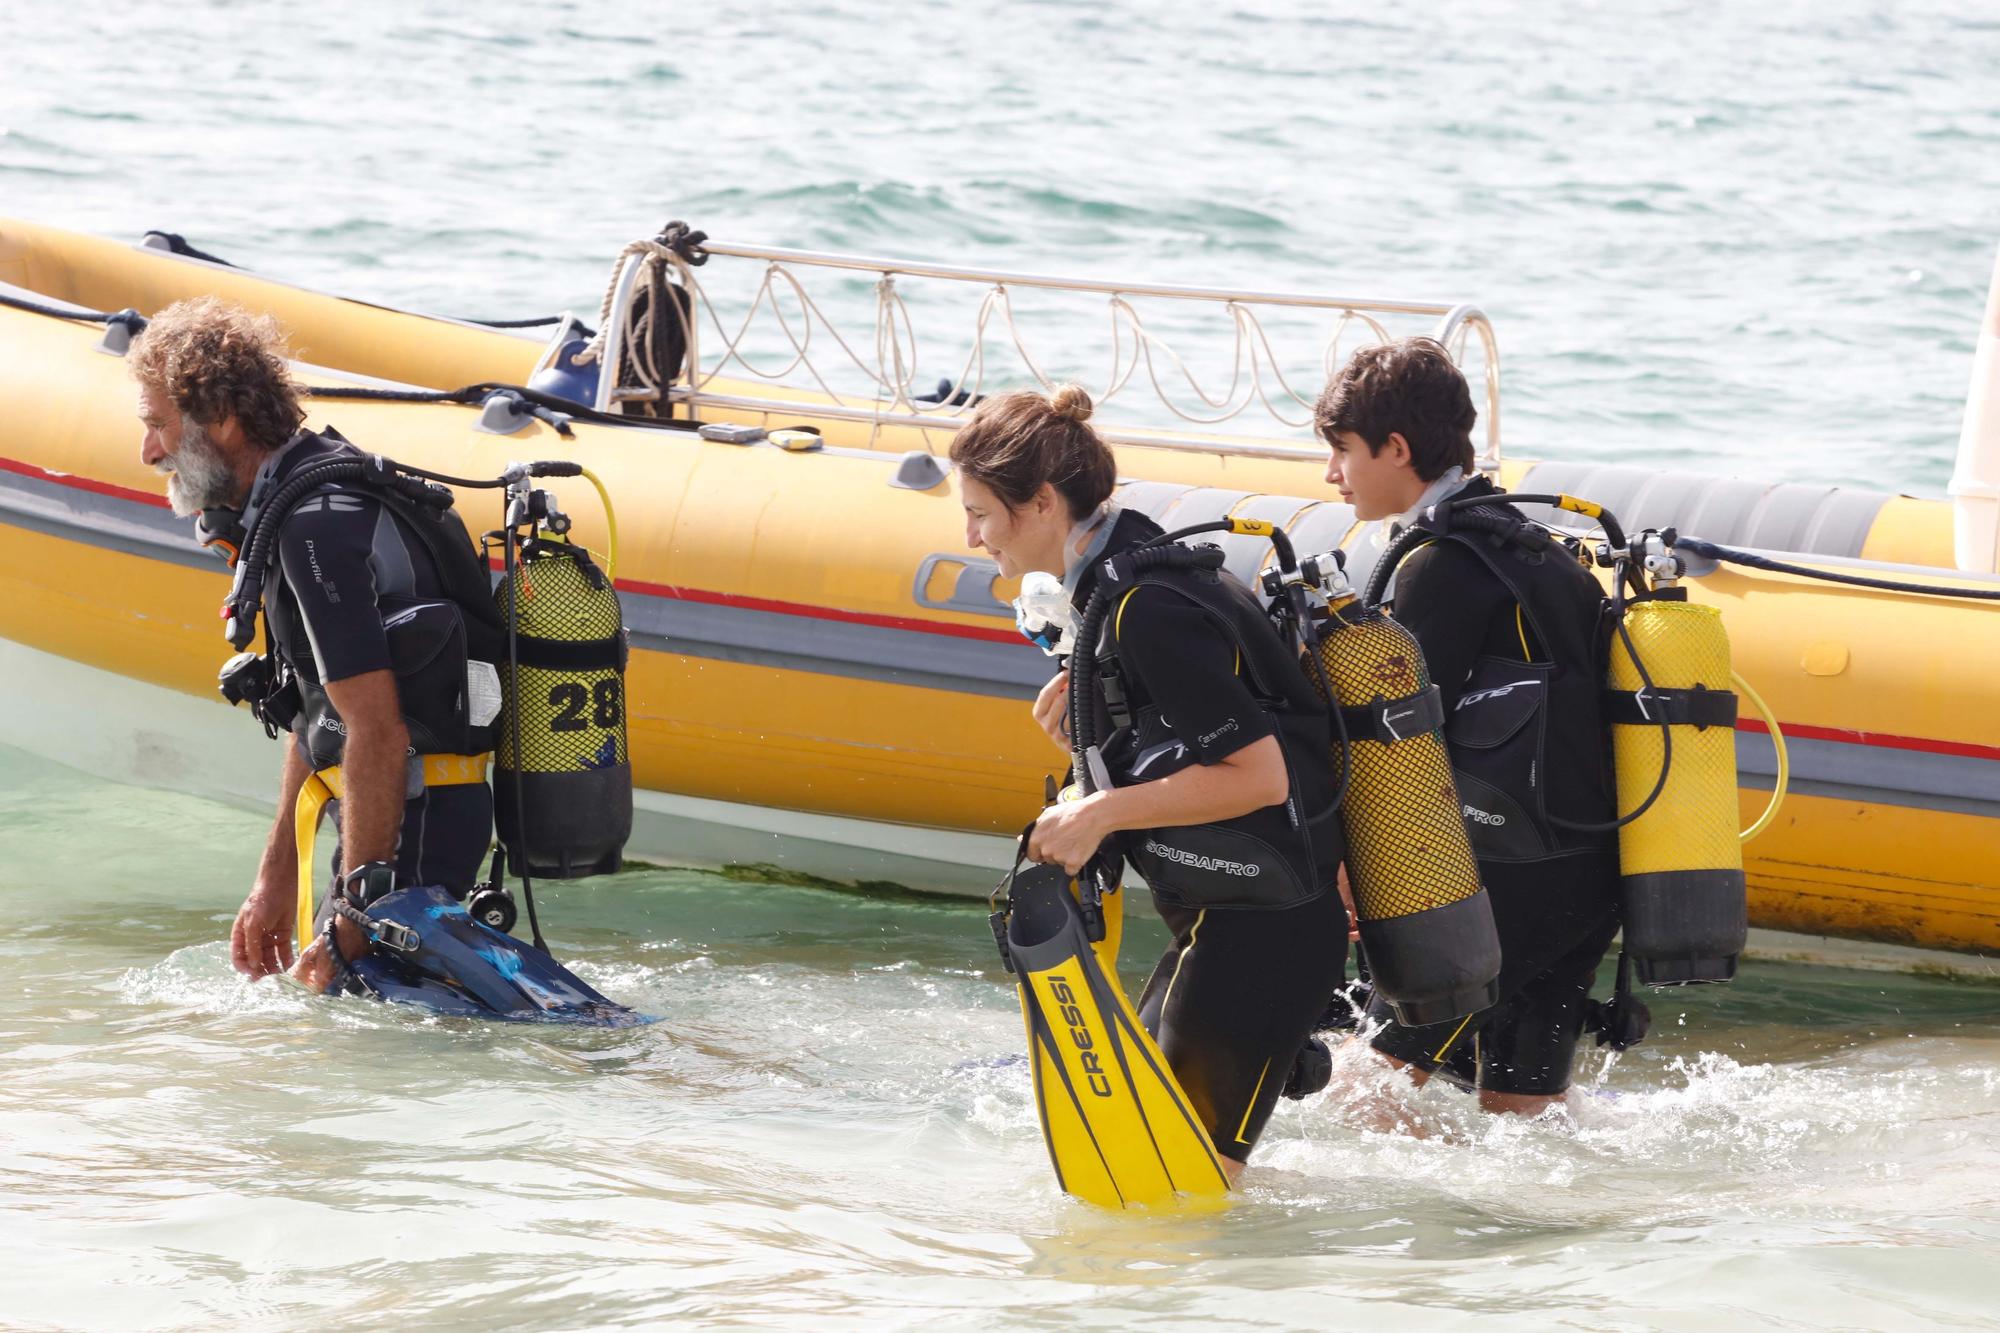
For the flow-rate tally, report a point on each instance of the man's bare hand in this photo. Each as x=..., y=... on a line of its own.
x=315, y=966
x=260, y=943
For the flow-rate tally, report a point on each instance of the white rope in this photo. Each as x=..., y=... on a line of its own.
x=891, y=371
x=593, y=349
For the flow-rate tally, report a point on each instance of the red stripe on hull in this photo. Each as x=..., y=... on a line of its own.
x=83, y=483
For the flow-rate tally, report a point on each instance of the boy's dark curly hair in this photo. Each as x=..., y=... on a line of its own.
x=1409, y=388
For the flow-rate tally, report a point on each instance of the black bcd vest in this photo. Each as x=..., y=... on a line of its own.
x=433, y=641
x=1528, y=742
x=1276, y=857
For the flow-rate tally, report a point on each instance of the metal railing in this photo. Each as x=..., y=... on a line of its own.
x=892, y=397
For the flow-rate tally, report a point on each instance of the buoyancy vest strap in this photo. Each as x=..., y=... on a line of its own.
x=1118, y=628
x=328, y=784
x=459, y=566
x=313, y=797
x=1477, y=540
x=1392, y=720
x=1699, y=707
x=1251, y=666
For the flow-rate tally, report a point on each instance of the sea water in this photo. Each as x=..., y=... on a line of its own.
x=1730, y=237
x=831, y=1126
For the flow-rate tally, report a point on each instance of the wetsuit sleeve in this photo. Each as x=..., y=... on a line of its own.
x=1452, y=603
x=1189, y=670
x=324, y=548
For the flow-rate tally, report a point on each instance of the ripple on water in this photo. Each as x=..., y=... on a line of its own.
x=1679, y=228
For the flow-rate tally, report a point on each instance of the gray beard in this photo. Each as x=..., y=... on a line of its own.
x=198, y=476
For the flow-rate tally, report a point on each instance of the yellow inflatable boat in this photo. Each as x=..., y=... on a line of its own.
x=825, y=679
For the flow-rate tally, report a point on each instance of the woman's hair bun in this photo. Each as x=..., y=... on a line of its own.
x=1071, y=402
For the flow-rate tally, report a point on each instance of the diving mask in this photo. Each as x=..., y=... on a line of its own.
x=1043, y=613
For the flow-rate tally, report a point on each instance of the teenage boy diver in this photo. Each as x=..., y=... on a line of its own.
x=1219, y=785
x=1510, y=637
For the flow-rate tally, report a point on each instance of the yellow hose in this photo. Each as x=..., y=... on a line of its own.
x=1784, y=761
x=610, y=522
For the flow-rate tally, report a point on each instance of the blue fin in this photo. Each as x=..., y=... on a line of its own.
x=464, y=967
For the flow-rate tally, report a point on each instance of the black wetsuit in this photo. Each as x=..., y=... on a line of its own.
x=1240, y=987
x=348, y=577
x=1555, y=904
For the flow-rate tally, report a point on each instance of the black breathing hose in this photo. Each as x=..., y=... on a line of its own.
x=247, y=599
x=1715, y=551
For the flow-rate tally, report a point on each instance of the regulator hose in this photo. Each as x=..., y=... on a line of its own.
x=1783, y=782
x=1735, y=556
x=246, y=598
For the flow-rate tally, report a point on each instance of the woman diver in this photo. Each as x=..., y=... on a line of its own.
x=1220, y=791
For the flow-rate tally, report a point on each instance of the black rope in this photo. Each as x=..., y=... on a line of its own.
x=685, y=241
x=1712, y=551
x=541, y=322
x=178, y=244
x=473, y=394
x=129, y=317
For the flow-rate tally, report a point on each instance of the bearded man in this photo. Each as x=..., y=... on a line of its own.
x=350, y=582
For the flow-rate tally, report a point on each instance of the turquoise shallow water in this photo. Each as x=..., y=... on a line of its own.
x=830, y=1127
x=1739, y=238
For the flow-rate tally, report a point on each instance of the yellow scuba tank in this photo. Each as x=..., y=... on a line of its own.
x=1672, y=718
x=1426, y=923
x=1673, y=735
x=562, y=775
